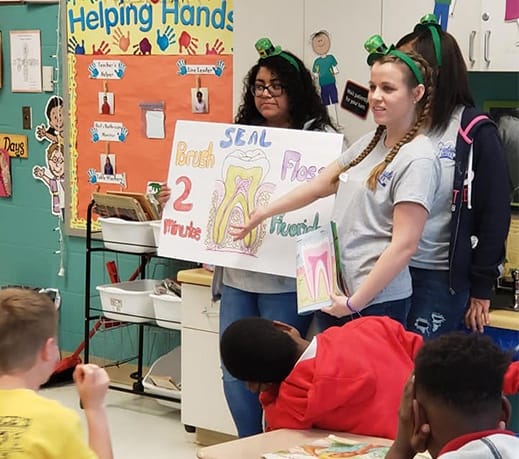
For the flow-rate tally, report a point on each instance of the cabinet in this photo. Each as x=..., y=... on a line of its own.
x=94, y=312
x=486, y=40
x=203, y=400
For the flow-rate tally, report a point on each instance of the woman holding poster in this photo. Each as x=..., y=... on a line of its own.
x=384, y=184
x=278, y=92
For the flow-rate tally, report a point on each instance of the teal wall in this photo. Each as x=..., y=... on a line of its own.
x=28, y=239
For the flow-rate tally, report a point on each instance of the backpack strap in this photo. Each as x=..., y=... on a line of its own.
x=470, y=118
x=464, y=133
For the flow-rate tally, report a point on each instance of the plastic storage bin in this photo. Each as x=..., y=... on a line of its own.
x=165, y=369
x=128, y=236
x=156, y=225
x=167, y=309
x=128, y=301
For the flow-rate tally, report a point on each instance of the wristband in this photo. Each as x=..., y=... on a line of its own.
x=350, y=307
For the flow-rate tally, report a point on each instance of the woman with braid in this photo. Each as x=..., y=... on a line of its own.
x=384, y=186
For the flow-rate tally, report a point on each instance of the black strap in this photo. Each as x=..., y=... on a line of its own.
x=492, y=447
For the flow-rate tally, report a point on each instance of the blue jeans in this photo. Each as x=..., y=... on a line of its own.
x=396, y=309
x=237, y=304
x=434, y=309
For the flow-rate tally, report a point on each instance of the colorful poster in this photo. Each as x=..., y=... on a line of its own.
x=135, y=67
x=219, y=173
x=155, y=27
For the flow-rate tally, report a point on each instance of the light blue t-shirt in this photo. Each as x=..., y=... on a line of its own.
x=365, y=218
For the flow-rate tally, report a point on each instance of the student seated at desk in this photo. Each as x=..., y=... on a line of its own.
x=347, y=378
x=453, y=405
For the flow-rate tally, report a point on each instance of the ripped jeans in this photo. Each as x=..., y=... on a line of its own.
x=434, y=310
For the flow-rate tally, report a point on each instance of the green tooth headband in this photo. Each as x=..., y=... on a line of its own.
x=376, y=48
x=265, y=49
x=430, y=22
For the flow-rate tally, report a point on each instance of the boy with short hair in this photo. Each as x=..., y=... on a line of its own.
x=348, y=378
x=32, y=426
x=453, y=405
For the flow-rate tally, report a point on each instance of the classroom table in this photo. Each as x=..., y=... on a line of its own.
x=253, y=447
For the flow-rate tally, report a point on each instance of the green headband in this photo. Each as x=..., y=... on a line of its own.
x=265, y=49
x=377, y=49
x=430, y=22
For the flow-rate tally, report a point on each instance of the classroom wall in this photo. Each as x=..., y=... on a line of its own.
x=28, y=235
x=28, y=240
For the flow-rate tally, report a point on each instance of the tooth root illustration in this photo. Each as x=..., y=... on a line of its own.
x=243, y=173
x=318, y=261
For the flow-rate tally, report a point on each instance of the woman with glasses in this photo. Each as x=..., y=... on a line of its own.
x=278, y=92
x=384, y=186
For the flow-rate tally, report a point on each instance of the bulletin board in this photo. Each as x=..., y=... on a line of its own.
x=133, y=69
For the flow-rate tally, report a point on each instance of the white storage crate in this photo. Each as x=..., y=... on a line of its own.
x=167, y=309
x=156, y=225
x=166, y=372
x=128, y=301
x=128, y=236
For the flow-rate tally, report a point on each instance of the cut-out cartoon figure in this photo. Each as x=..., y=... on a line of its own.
x=441, y=11
x=53, y=132
x=54, y=177
x=325, y=68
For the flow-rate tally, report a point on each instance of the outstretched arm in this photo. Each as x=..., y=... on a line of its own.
x=321, y=186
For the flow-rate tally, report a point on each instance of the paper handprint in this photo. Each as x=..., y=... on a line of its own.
x=123, y=42
x=122, y=135
x=92, y=177
x=104, y=48
x=119, y=71
x=182, y=69
x=94, y=71
x=188, y=42
x=95, y=134
x=74, y=47
x=166, y=39
x=217, y=47
x=143, y=47
x=218, y=68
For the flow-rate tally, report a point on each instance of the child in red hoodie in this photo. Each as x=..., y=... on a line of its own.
x=347, y=378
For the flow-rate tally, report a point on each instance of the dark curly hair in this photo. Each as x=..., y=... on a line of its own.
x=462, y=371
x=304, y=101
x=255, y=350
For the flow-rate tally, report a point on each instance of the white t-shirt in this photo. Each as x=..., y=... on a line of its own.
x=365, y=218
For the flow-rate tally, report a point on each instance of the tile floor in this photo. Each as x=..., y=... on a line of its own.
x=139, y=426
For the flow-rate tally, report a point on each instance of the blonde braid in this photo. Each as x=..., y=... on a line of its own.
x=376, y=137
x=424, y=110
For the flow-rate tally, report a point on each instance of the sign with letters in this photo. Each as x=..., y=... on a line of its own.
x=15, y=145
x=219, y=173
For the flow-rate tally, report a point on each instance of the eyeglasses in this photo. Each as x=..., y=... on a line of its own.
x=274, y=89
